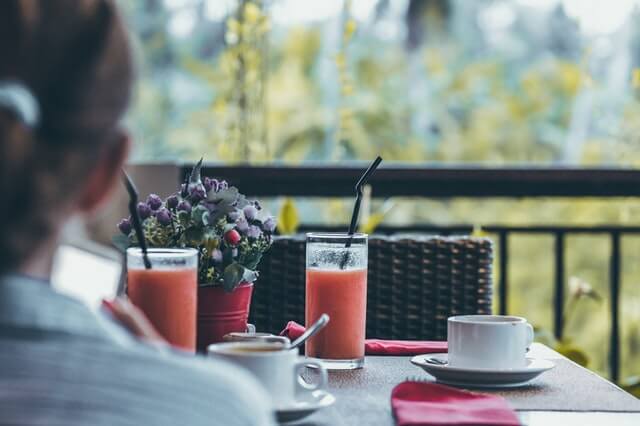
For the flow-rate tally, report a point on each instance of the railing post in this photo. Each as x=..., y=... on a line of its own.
x=503, y=261
x=614, y=292
x=558, y=299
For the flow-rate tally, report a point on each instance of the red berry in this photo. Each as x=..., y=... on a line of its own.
x=232, y=237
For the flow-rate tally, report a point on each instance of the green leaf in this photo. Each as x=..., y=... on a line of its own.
x=183, y=218
x=216, y=215
x=288, y=220
x=233, y=275
x=574, y=353
x=225, y=197
x=632, y=385
x=227, y=255
x=200, y=215
x=249, y=275
x=194, y=236
x=211, y=241
x=252, y=259
x=195, y=176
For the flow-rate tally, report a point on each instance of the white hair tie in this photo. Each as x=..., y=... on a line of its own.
x=18, y=99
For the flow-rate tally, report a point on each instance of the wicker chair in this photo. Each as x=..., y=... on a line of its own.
x=414, y=284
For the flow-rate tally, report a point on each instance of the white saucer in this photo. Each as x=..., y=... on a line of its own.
x=481, y=378
x=304, y=407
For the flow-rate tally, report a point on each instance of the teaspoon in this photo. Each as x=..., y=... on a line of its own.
x=317, y=326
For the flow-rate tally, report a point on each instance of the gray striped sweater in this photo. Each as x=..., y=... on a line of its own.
x=61, y=364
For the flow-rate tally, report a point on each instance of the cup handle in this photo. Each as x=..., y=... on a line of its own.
x=303, y=385
x=251, y=329
x=530, y=336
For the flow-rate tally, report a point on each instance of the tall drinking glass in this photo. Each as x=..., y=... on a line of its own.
x=166, y=293
x=337, y=285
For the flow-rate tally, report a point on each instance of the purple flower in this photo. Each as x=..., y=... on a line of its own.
x=125, y=226
x=215, y=185
x=269, y=225
x=207, y=184
x=197, y=192
x=234, y=215
x=250, y=212
x=172, y=201
x=144, y=211
x=216, y=256
x=154, y=202
x=242, y=225
x=223, y=185
x=254, y=232
x=163, y=216
x=184, y=206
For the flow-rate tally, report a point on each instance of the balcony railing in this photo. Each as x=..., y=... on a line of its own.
x=321, y=181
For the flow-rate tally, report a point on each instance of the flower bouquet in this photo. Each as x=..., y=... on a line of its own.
x=230, y=232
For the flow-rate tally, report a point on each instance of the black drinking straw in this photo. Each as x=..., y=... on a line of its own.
x=137, y=224
x=356, y=207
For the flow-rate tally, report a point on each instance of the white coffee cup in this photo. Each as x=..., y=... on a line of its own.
x=488, y=341
x=278, y=369
x=255, y=337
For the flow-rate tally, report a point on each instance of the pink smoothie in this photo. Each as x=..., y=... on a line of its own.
x=169, y=299
x=343, y=296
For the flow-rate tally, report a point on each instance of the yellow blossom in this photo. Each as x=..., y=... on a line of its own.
x=288, y=219
x=349, y=29
x=233, y=25
x=264, y=26
x=570, y=77
x=346, y=90
x=635, y=79
x=251, y=13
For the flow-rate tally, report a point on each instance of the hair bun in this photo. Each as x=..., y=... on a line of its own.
x=18, y=99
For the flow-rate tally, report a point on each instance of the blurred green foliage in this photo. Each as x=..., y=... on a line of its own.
x=437, y=85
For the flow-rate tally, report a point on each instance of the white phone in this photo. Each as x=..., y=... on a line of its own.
x=88, y=272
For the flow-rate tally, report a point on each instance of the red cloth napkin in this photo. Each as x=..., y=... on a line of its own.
x=430, y=404
x=293, y=330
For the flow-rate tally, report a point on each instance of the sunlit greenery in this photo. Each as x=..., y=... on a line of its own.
x=454, y=81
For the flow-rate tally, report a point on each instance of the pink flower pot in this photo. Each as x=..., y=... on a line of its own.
x=220, y=313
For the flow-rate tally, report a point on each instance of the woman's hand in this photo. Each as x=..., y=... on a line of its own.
x=134, y=320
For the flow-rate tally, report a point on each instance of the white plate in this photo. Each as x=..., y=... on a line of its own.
x=304, y=407
x=481, y=378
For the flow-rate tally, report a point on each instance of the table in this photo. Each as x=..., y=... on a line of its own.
x=567, y=395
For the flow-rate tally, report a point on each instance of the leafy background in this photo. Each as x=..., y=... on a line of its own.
x=490, y=82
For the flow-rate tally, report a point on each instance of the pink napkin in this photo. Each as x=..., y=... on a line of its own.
x=430, y=404
x=381, y=347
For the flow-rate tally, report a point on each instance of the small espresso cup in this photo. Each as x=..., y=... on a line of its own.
x=278, y=368
x=488, y=341
x=255, y=337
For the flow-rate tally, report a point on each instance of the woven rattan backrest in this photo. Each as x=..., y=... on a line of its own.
x=414, y=284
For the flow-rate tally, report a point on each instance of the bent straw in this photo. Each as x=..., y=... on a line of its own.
x=356, y=207
x=137, y=224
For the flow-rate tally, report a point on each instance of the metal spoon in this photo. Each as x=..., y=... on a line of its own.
x=435, y=361
x=317, y=326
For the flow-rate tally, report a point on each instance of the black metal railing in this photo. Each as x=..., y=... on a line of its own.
x=321, y=181
x=441, y=182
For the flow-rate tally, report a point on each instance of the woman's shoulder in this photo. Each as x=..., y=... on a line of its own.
x=209, y=389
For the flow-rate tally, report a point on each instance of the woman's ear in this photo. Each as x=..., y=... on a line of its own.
x=105, y=176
